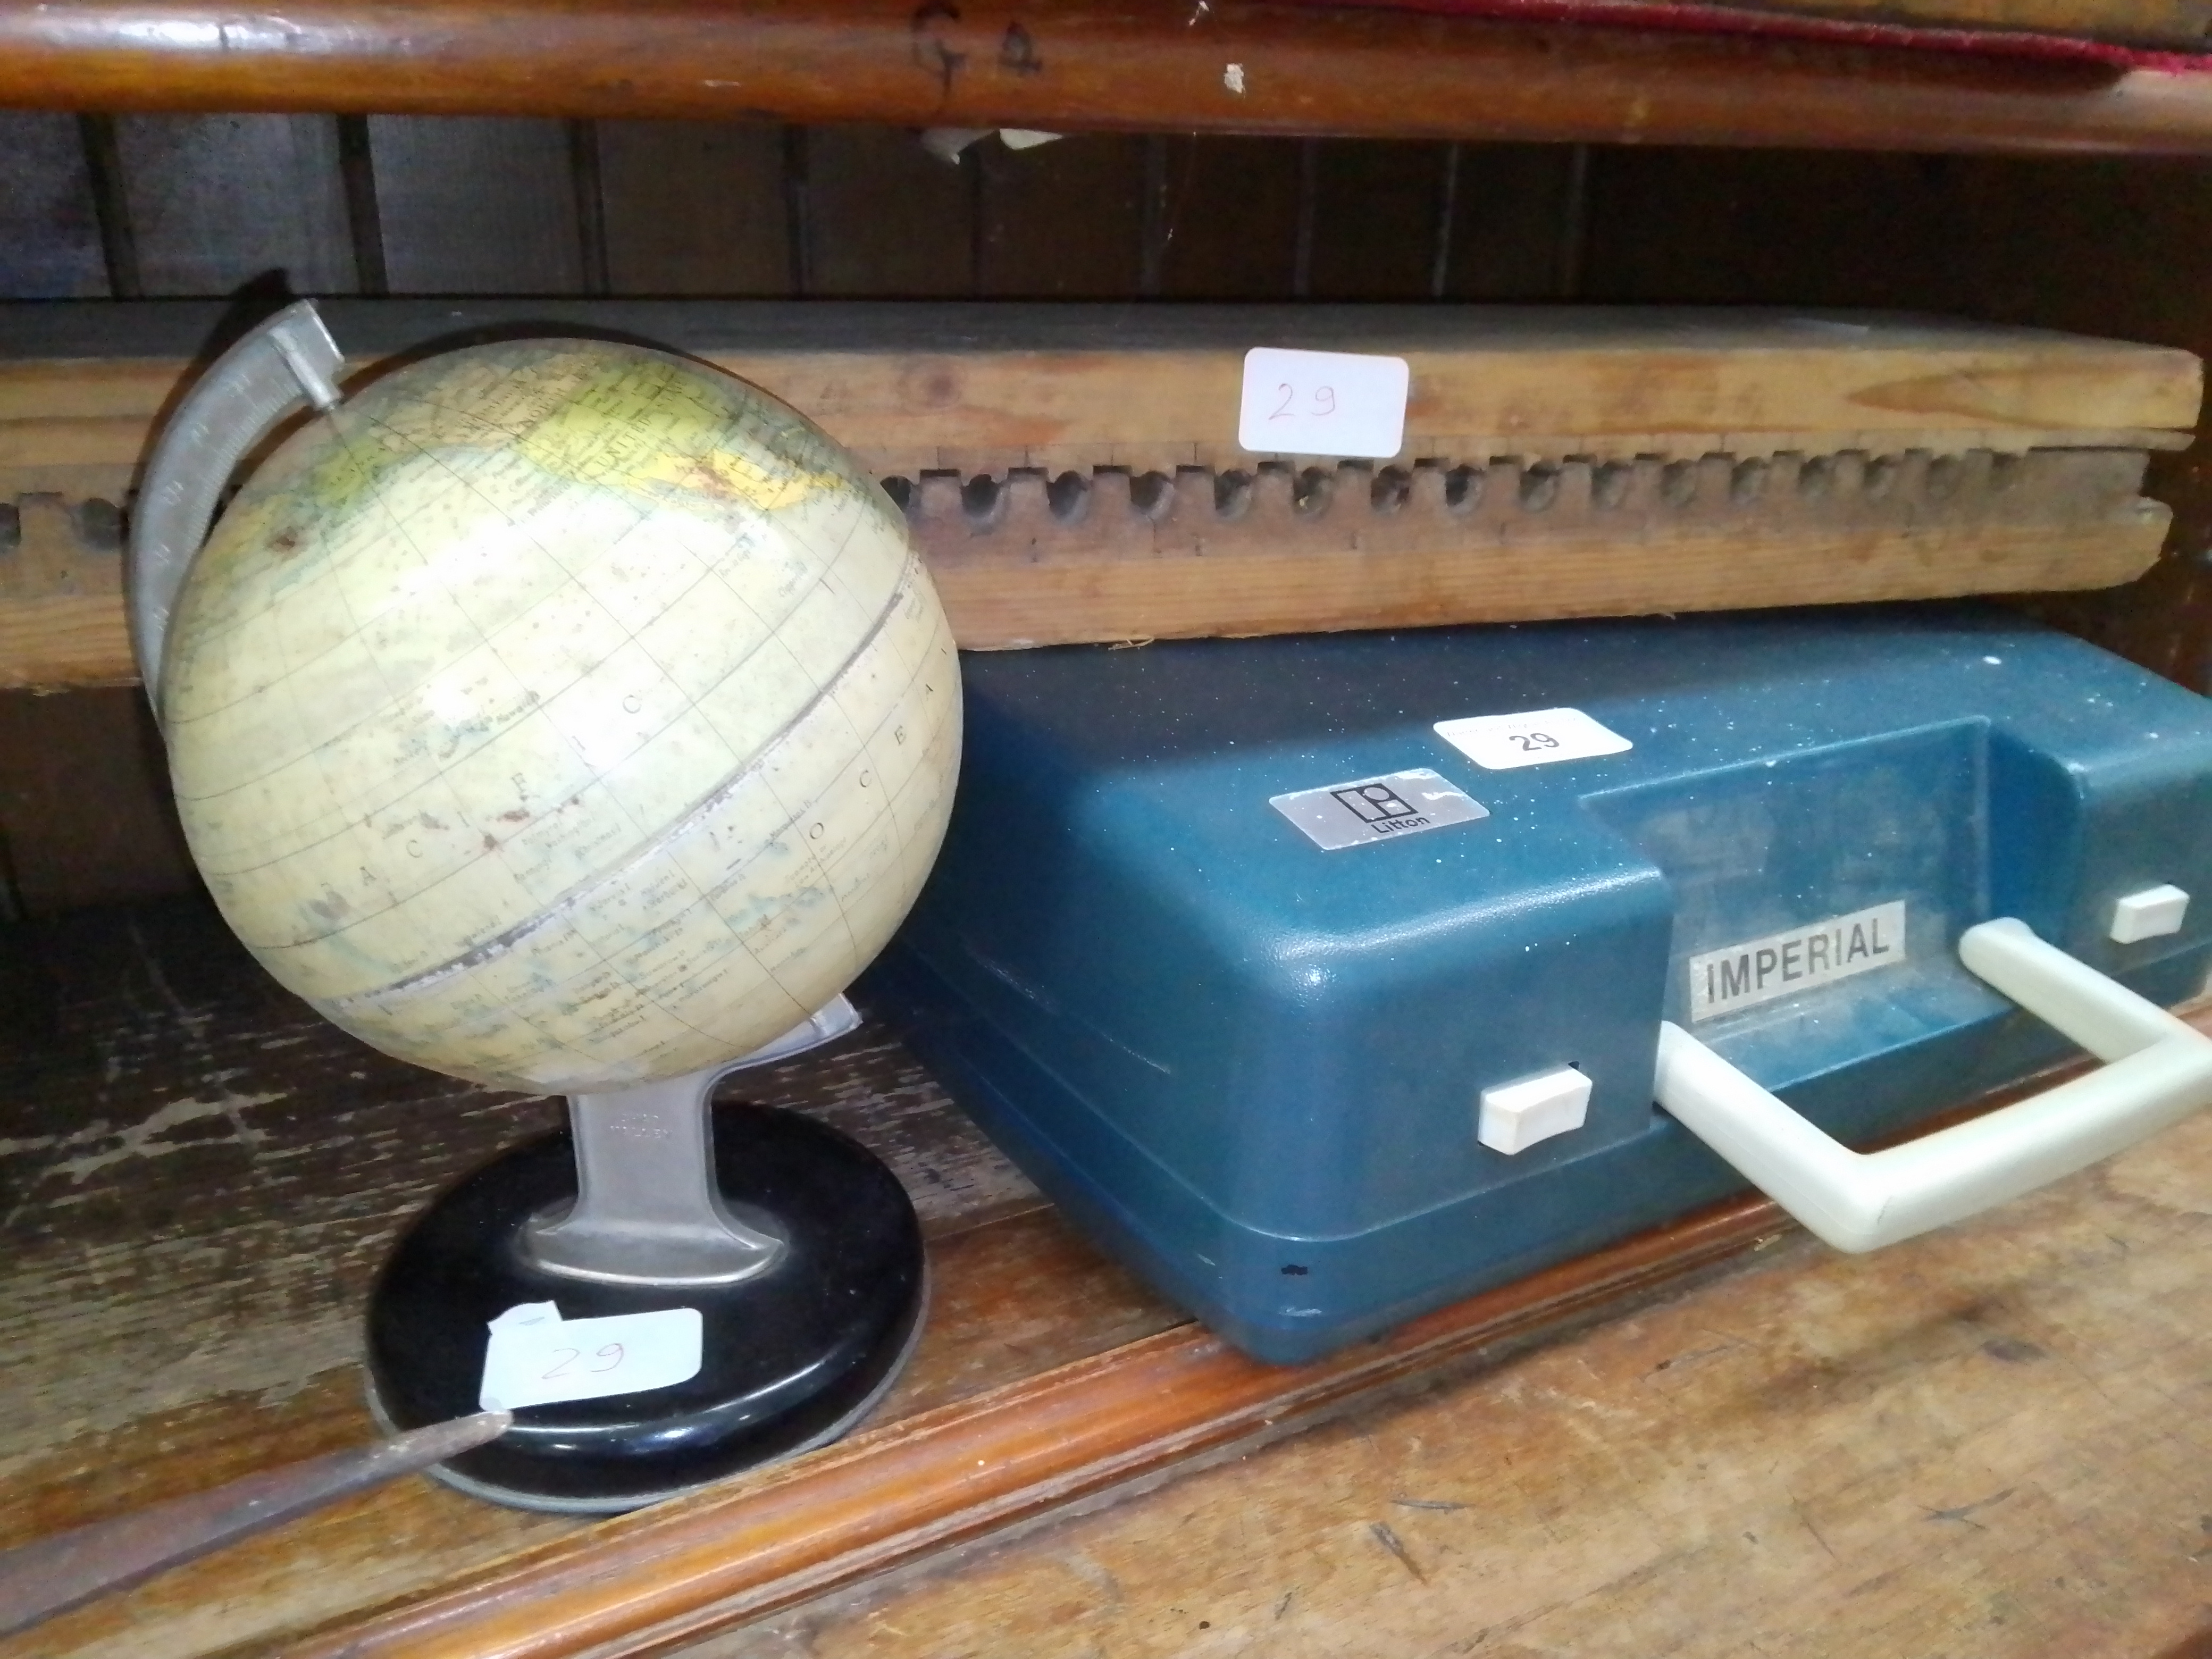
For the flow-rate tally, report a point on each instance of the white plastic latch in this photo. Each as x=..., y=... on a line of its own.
x=1516, y=1116
x=2152, y=913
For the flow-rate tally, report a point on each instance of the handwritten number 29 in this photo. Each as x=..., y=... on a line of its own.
x=611, y=1355
x=1323, y=402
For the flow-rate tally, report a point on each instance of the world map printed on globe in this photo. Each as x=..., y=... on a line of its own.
x=561, y=714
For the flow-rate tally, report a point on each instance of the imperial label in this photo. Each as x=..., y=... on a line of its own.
x=1780, y=964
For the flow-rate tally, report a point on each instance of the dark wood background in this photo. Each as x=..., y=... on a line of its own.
x=155, y=205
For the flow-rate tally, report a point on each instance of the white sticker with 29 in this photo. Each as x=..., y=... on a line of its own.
x=1323, y=403
x=536, y=1358
x=1498, y=743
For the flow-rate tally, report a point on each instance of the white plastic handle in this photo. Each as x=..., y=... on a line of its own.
x=2158, y=1071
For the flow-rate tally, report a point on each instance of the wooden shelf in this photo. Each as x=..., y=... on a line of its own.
x=1224, y=66
x=199, y=1178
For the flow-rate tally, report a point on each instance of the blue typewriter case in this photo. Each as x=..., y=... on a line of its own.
x=1325, y=979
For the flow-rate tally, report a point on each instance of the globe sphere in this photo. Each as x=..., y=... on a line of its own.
x=561, y=714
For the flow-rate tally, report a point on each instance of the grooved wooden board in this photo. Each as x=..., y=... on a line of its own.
x=1621, y=461
x=1362, y=549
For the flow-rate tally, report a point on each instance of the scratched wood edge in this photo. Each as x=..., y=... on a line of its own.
x=70, y=641
x=1124, y=65
x=950, y=1475
x=890, y=1497
x=1008, y=604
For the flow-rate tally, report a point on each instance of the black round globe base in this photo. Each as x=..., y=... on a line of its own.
x=791, y=1357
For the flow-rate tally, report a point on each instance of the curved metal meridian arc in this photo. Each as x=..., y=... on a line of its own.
x=281, y=365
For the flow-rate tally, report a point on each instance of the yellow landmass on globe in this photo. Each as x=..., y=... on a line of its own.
x=653, y=422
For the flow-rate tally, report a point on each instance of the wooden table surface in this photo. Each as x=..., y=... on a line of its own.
x=1992, y=1441
x=1988, y=1441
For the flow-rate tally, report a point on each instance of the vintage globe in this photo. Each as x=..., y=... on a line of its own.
x=561, y=714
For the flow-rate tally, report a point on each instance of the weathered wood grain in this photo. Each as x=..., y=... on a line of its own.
x=1349, y=547
x=940, y=1478
x=217, y=201
x=476, y=207
x=1988, y=1443
x=198, y=1178
x=1571, y=463
x=49, y=231
x=694, y=207
x=186, y=1275
x=1134, y=65
x=884, y=216
x=986, y=387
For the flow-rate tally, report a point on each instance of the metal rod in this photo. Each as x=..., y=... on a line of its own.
x=41, y=1579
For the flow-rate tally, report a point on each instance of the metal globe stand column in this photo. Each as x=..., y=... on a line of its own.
x=798, y=1248
x=647, y=1209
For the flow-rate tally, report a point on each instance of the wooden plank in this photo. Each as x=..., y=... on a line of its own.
x=1065, y=585
x=49, y=234
x=220, y=201
x=1860, y=458
x=85, y=816
x=2077, y=244
x=1063, y=220
x=1378, y=210
x=476, y=207
x=198, y=1179
x=693, y=207
x=985, y=387
x=60, y=599
x=908, y=1490
x=1510, y=222
x=201, y=1177
x=1133, y=65
x=885, y=217
x=1965, y=1446
x=1228, y=218
x=891, y=1495
x=1537, y=544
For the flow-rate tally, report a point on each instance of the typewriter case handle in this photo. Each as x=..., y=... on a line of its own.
x=2158, y=1071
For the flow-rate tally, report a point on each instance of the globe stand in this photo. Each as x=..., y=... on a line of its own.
x=798, y=1248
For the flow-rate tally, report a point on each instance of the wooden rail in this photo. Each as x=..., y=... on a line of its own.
x=1124, y=65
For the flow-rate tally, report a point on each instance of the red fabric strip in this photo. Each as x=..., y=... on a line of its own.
x=1704, y=19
